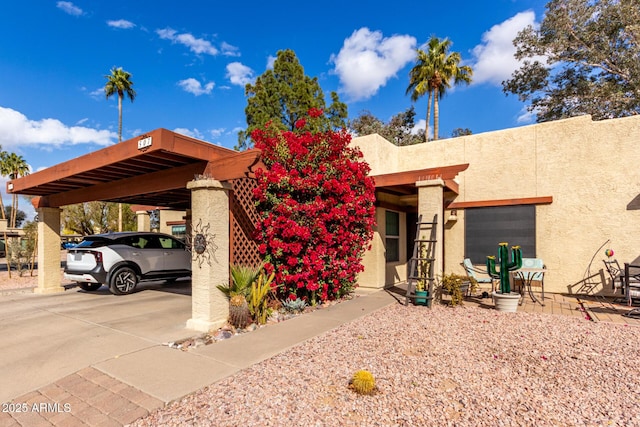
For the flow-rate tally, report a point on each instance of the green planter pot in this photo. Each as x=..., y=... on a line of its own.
x=506, y=302
x=421, y=297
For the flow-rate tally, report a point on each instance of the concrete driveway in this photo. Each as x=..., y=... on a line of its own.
x=46, y=337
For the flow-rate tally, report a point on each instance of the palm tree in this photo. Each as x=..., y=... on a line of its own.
x=119, y=81
x=432, y=75
x=13, y=166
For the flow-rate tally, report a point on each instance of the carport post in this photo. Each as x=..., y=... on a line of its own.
x=209, y=253
x=430, y=204
x=48, y=251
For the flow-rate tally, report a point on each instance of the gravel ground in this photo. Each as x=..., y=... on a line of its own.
x=439, y=367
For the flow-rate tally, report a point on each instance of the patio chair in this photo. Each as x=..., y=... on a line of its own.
x=475, y=272
x=616, y=273
x=631, y=282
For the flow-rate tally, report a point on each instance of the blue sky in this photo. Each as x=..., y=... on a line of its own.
x=190, y=60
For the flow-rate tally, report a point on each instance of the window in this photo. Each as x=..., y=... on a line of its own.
x=392, y=236
x=484, y=228
x=179, y=231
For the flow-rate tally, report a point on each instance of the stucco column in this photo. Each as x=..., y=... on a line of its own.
x=144, y=221
x=48, y=251
x=210, y=253
x=431, y=203
x=374, y=274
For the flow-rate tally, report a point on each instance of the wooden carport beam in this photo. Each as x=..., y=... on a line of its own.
x=169, y=179
x=226, y=168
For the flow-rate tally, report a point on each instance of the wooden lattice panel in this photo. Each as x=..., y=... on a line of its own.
x=244, y=249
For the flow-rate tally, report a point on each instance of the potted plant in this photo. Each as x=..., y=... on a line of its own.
x=423, y=273
x=458, y=286
x=505, y=300
x=421, y=292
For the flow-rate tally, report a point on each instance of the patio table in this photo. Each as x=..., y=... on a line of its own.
x=526, y=276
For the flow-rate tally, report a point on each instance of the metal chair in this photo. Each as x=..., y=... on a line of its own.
x=631, y=283
x=474, y=272
x=616, y=273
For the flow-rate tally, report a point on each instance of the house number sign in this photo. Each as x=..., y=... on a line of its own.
x=145, y=142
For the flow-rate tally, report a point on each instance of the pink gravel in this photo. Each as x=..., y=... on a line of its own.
x=439, y=367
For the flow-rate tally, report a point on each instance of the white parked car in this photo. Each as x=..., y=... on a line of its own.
x=121, y=260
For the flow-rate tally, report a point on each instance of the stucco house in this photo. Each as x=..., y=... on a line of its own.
x=560, y=190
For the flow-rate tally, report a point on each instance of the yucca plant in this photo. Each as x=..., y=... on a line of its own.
x=258, y=301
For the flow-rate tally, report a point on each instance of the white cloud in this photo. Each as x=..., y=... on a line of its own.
x=70, y=8
x=16, y=130
x=215, y=133
x=98, y=93
x=193, y=86
x=121, y=23
x=229, y=50
x=526, y=116
x=368, y=60
x=194, y=44
x=270, y=60
x=239, y=74
x=494, y=60
x=195, y=133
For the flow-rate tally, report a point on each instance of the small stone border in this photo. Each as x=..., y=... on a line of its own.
x=228, y=331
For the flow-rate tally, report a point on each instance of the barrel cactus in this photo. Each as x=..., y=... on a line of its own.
x=363, y=382
x=239, y=315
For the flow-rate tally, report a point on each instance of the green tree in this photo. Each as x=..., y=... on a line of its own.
x=460, y=132
x=399, y=130
x=284, y=95
x=96, y=217
x=20, y=215
x=432, y=75
x=584, y=59
x=13, y=166
x=119, y=82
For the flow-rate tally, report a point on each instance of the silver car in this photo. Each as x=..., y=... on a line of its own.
x=121, y=260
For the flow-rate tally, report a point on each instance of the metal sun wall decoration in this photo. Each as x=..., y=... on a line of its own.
x=201, y=244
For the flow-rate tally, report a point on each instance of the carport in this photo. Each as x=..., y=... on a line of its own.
x=160, y=168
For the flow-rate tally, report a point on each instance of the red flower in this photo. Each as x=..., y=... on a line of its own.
x=315, y=112
x=316, y=210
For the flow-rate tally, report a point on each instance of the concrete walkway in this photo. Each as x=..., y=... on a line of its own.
x=79, y=358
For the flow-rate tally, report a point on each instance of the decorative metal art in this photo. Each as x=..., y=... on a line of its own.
x=201, y=244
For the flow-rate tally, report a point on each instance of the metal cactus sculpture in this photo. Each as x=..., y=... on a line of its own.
x=505, y=265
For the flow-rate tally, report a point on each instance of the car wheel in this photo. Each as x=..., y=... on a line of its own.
x=89, y=287
x=123, y=281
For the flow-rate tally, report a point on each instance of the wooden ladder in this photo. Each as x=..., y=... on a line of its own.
x=421, y=264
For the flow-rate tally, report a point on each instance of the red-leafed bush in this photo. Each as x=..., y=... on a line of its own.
x=316, y=206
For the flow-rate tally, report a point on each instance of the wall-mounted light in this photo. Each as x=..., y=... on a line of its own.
x=453, y=215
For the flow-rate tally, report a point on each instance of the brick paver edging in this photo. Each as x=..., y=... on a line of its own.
x=88, y=397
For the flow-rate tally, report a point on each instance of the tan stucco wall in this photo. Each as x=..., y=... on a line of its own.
x=590, y=168
x=169, y=216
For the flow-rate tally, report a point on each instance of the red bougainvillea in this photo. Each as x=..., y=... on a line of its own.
x=316, y=206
